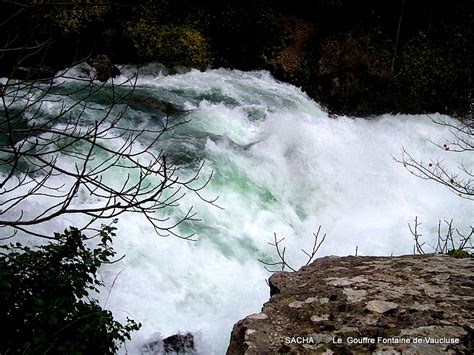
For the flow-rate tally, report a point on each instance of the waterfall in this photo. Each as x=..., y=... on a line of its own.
x=281, y=165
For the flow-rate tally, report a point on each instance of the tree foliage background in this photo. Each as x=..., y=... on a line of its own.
x=425, y=46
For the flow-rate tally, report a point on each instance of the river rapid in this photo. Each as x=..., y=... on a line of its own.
x=281, y=165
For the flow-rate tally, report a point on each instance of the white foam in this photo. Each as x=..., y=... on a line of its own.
x=287, y=169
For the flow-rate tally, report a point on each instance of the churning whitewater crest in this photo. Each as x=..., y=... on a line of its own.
x=280, y=165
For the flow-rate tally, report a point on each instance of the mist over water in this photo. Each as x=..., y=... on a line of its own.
x=280, y=165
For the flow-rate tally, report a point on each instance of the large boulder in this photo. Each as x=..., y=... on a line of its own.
x=104, y=68
x=347, y=305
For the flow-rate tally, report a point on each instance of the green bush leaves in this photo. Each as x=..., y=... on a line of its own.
x=47, y=305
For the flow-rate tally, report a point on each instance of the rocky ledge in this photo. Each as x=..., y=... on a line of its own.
x=384, y=305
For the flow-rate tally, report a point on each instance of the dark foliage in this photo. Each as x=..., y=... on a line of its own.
x=47, y=298
x=427, y=46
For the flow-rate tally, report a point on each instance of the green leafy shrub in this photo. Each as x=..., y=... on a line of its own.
x=69, y=16
x=170, y=44
x=459, y=253
x=78, y=17
x=46, y=298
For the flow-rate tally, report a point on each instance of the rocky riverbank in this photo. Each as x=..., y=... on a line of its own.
x=347, y=305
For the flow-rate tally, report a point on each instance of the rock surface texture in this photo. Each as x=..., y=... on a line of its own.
x=351, y=305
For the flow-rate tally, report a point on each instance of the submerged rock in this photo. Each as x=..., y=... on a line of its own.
x=179, y=343
x=174, y=344
x=154, y=69
x=345, y=305
x=151, y=104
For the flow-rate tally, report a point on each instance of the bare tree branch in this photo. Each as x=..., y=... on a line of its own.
x=446, y=241
x=282, y=262
x=416, y=236
x=460, y=181
x=67, y=155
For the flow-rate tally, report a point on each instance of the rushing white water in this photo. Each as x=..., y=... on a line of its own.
x=281, y=165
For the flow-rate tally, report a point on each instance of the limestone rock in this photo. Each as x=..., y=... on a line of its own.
x=354, y=295
x=351, y=305
x=381, y=306
x=258, y=316
x=296, y=304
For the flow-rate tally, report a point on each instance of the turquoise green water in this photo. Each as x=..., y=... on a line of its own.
x=280, y=165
